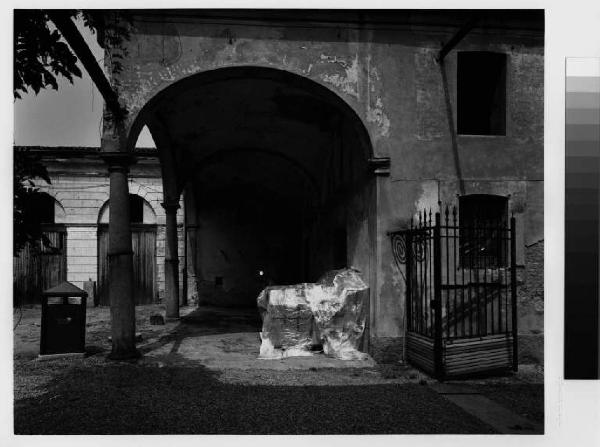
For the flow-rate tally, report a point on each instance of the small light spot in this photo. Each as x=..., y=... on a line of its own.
x=261, y=273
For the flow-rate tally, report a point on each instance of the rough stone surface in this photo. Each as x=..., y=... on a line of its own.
x=387, y=350
x=530, y=304
x=157, y=319
x=531, y=349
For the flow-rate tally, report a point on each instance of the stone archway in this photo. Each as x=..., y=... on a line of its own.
x=263, y=137
x=293, y=143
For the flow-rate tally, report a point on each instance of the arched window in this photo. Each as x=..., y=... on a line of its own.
x=140, y=211
x=483, y=220
x=143, y=243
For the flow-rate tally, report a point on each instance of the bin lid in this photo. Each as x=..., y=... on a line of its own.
x=65, y=289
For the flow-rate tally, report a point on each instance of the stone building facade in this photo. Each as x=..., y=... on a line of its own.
x=80, y=188
x=300, y=141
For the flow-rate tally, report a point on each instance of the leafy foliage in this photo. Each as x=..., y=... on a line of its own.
x=27, y=223
x=113, y=29
x=40, y=55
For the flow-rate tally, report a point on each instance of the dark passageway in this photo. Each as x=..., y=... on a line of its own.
x=251, y=222
x=274, y=171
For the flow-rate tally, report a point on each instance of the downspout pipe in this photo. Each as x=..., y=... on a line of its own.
x=461, y=33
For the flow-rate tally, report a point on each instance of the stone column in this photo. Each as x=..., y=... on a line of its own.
x=120, y=260
x=171, y=260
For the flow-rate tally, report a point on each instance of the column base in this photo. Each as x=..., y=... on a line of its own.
x=124, y=355
x=172, y=319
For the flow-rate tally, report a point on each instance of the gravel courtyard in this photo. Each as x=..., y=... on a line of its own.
x=201, y=375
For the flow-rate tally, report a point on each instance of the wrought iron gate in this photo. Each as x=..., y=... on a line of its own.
x=460, y=294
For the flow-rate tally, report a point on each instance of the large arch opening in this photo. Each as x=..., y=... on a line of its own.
x=274, y=171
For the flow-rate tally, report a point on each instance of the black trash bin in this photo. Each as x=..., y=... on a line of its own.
x=63, y=320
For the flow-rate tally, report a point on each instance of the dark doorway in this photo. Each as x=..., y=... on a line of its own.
x=143, y=239
x=42, y=264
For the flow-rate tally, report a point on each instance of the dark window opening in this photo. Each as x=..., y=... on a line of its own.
x=136, y=207
x=218, y=281
x=483, y=221
x=481, y=93
x=40, y=207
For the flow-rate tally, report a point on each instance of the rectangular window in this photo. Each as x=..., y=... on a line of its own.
x=481, y=93
x=483, y=221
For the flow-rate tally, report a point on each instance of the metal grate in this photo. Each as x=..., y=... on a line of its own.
x=460, y=280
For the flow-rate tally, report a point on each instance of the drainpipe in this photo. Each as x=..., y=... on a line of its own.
x=461, y=33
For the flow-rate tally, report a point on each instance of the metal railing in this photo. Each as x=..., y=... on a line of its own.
x=460, y=279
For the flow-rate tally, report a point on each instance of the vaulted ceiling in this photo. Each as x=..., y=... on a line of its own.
x=249, y=129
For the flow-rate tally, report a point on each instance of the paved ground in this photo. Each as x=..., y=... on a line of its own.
x=202, y=375
x=500, y=417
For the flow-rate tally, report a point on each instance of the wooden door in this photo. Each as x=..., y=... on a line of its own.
x=143, y=240
x=38, y=267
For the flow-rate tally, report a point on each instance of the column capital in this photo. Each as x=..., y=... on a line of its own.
x=170, y=205
x=380, y=165
x=118, y=161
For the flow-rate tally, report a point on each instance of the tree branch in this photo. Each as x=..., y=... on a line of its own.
x=75, y=40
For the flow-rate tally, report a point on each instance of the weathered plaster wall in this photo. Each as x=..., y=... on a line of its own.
x=336, y=59
x=351, y=213
x=390, y=78
x=424, y=171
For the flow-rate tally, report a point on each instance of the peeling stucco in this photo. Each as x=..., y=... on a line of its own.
x=375, y=110
x=428, y=199
x=347, y=83
x=396, y=89
x=377, y=116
